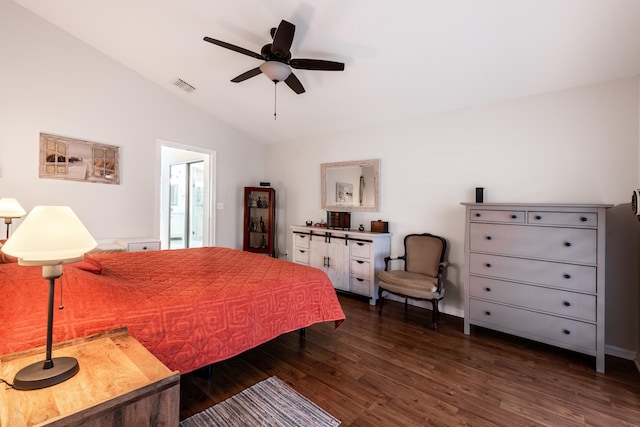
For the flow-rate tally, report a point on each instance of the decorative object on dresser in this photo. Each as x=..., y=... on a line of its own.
x=9, y=210
x=379, y=226
x=121, y=383
x=49, y=237
x=351, y=259
x=260, y=220
x=538, y=271
x=423, y=275
x=339, y=220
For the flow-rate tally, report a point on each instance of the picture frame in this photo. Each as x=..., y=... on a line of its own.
x=344, y=193
x=78, y=160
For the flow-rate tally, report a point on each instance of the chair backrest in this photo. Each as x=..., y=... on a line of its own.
x=424, y=252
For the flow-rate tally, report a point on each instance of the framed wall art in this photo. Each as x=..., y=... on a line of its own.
x=344, y=192
x=78, y=160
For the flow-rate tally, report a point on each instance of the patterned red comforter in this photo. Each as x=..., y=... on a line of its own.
x=189, y=307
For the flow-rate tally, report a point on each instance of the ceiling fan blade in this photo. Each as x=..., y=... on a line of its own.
x=316, y=64
x=282, y=39
x=247, y=75
x=234, y=48
x=293, y=82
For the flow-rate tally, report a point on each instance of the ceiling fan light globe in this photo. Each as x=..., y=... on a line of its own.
x=276, y=71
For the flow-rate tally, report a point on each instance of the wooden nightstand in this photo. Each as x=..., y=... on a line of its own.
x=120, y=383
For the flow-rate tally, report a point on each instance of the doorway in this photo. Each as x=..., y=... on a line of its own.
x=187, y=196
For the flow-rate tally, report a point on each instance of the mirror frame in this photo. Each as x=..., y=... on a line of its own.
x=325, y=167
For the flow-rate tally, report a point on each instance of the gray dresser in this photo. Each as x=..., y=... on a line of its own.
x=537, y=271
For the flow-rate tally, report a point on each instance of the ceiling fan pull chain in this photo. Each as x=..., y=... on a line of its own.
x=275, y=100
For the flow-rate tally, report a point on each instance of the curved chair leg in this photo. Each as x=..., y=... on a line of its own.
x=381, y=299
x=435, y=313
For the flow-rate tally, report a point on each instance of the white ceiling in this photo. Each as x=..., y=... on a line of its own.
x=403, y=58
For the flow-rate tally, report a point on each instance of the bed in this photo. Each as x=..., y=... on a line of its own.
x=189, y=307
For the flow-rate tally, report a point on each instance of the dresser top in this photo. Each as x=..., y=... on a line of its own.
x=538, y=205
x=334, y=231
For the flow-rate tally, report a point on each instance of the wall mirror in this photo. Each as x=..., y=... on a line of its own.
x=350, y=186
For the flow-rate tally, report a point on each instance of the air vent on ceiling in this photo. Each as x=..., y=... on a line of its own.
x=184, y=85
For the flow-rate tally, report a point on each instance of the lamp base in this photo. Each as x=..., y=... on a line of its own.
x=35, y=376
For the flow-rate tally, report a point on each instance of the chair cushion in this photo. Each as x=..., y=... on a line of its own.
x=411, y=284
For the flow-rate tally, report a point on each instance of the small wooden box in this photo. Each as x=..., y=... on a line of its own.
x=379, y=226
x=341, y=220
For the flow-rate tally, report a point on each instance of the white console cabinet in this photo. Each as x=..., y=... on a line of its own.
x=351, y=259
x=538, y=271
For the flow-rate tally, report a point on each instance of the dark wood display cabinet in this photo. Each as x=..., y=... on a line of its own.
x=260, y=220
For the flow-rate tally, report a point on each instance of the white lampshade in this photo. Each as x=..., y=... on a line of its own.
x=49, y=235
x=10, y=208
x=275, y=70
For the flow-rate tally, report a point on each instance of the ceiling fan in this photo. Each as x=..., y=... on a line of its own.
x=278, y=61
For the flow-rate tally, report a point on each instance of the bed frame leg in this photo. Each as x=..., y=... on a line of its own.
x=303, y=332
x=205, y=372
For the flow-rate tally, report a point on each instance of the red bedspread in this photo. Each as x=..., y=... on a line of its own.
x=189, y=307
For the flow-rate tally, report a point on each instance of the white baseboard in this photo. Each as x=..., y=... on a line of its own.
x=622, y=353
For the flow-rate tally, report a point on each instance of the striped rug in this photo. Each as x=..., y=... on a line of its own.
x=268, y=403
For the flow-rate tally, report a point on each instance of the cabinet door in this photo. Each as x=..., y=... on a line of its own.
x=318, y=253
x=338, y=263
x=331, y=255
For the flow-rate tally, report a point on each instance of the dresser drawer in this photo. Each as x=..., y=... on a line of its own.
x=143, y=246
x=567, y=276
x=563, y=218
x=483, y=215
x=301, y=256
x=361, y=249
x=361, y=286
x=301, y=240
x=360, y=268
x=554, y=301
x=550, y=329
x=563, y=244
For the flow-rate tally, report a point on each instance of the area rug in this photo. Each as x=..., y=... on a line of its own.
x=268, y=403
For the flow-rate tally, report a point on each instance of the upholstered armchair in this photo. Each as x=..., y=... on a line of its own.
x=423, y=275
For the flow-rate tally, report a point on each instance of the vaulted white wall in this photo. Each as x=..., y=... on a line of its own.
x=575, y=146
x=51, y=82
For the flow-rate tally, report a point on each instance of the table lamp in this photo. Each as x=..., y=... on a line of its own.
x=49, y=237
x=9, y=209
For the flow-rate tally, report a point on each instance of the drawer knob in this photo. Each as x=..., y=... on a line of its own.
x=478, y=215
x=488, y=313
x=359, y=262
x=301, y=251
x=567, y=276
x=583, y=218
x=488, y=265
x=567, y=244
x=488, y=237
x=359, y=279
x=514, y=216
x=538, y=217
x=488, y=289
x=566, y=332
x=567, y=304
x=144, y=248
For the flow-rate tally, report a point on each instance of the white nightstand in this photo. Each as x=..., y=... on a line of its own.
x=139, y=244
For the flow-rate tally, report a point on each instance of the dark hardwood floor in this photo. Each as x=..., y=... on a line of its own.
x=392, y=370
